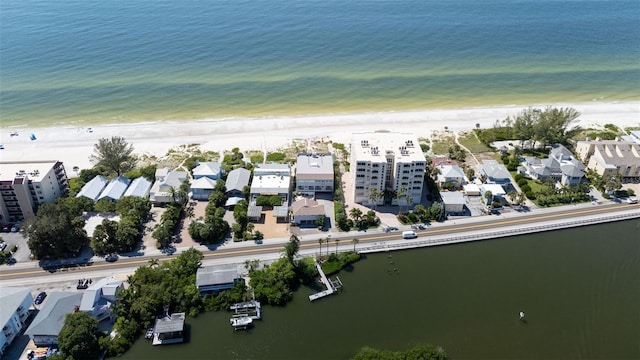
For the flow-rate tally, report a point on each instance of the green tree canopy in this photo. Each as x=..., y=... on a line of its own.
x=114, y=154
x=78, y=338
x=55, y=232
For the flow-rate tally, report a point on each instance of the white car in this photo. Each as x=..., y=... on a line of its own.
x=632, y=200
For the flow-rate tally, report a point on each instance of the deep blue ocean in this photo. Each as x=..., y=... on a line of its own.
x=78, y=61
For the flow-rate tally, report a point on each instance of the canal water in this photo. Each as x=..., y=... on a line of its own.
x=579, y=288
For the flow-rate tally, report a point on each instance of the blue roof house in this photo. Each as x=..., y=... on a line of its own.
x=115, y=188
x=93, y=188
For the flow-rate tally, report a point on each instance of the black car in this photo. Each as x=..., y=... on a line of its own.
x=40, y=298
x=111, y=258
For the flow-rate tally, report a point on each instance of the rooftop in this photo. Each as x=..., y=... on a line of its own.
x=139, y=187
x=314, y=164
x=170, y=324
x=33, y=170
x=50, y=319
x=216, y=275
x=93, y=188
x=11, y=298
x=375, y=146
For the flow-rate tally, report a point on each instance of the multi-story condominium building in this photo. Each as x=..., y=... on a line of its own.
x=314, y=173
x=26, y=185
x=610, y=157
x=13, y=313
x=391, y=163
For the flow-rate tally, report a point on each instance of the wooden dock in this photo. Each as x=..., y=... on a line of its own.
x=331, y=285
x=251, y=308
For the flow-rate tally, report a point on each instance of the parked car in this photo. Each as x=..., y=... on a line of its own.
x=111, y=258
x=3, y=245
x=40, y=298
x=632, y=200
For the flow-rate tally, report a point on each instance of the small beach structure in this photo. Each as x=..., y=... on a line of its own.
x=331, y=285
x=169, y=329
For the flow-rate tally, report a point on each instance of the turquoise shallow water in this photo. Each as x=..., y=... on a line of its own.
x=78, y=61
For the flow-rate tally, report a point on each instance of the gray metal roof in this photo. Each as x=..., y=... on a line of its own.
x=315, y=164
x=115, y=188
x=105, y=287
x=237, y=179
x=50, y=319
x=254, y=211
x=174, y=323
x=280, y=211
x=93, y=188
x=452, y=197
x=139, y=187
x=216, y=275
x=11, y=298
x=204, y=183
x=210, y=168
x=494, y=170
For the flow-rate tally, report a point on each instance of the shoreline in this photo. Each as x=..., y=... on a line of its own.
x=73, y=145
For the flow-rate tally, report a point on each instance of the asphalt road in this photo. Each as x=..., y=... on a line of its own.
x=310, y=246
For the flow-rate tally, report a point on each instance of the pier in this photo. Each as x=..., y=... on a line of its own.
x=251, y=309
x=331, y=285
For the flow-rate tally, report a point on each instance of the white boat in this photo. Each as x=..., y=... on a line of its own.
x=241, y=322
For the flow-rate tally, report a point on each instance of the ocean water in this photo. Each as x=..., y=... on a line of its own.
x=83, y=62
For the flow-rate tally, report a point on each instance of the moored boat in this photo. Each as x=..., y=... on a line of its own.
x=241, y=322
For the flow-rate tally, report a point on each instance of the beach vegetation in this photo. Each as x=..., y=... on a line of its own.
x=418, y=352
x=79, y=337
x=55, y=232
x=76, y=205
x=441, y=142
x=276, y=157
x=105, y=206
x=114, y=154
x=191, y=162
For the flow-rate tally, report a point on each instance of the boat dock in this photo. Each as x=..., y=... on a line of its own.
x=331, y=285
x=251, y=308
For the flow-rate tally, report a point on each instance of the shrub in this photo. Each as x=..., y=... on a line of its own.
x=522, y=182
x=530, y=195
x=525, y=189
x=271, y=200
x=518, y=177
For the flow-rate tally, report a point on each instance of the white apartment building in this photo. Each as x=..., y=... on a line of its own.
x=14, y=310
x=26, y=185
x=388, y=162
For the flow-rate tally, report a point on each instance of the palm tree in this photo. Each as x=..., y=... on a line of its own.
x=327, y=241
x=337, y=242
x=355, y=242
x=356, y=214
x=320, y=241
x=374, y=195
x=153, y=262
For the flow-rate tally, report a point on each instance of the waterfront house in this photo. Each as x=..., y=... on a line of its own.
x=27, y=185
x=611, y=157
x=314, y=173
x=167, y=183
x=139, y=187
x=451, y=174
x=93, y=188
x=496, y=190
x=211, y=170
x=115, y=188
x=213, y=279
x=98, y=298
x=495, y=173
x=271, y=179
x=561, y=166
x=202, y=188
x=236, y=181
x=13, y=313
x=454, y=202
x=306, y=211
x=47, y=324
x=169, y=329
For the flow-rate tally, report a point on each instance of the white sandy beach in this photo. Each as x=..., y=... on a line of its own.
x=73, y=145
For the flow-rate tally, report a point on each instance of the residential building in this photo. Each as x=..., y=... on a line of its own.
x=169, y=329
x=139, y=187
x=271, y=179
x=306, y=211
x=115, y=188
x=494, y=172
x=454, y=202
x=93, y=188
x=610, y=157
x=211, y=170
x=451, y=174
x=389, y=162
x=98, y=298
x=202, y=188
x=167, y=183
x=314, y=173
x=497, y=192
x=237, y=179
x=13, y=313
x=47, y=324
x=561, y=166
x=26, y=185
x=212, y=279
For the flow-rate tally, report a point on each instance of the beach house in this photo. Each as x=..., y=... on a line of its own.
x=611, y=157
x=314, y=173
x=26, y=185
x=385, y=163
x=306, y=211
x=93, y=188
x=495, y=173
x=561, y=166
x=213, y=279
x=98, y=298
x=211, y=170
x=166, y=186
x=139, y=187
x=237, y=179
x=454, y=202
x=202, y=188
x=115, y=188
x=13, y=313
x=46, y=326
x=271, y=179
x=451, y=174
